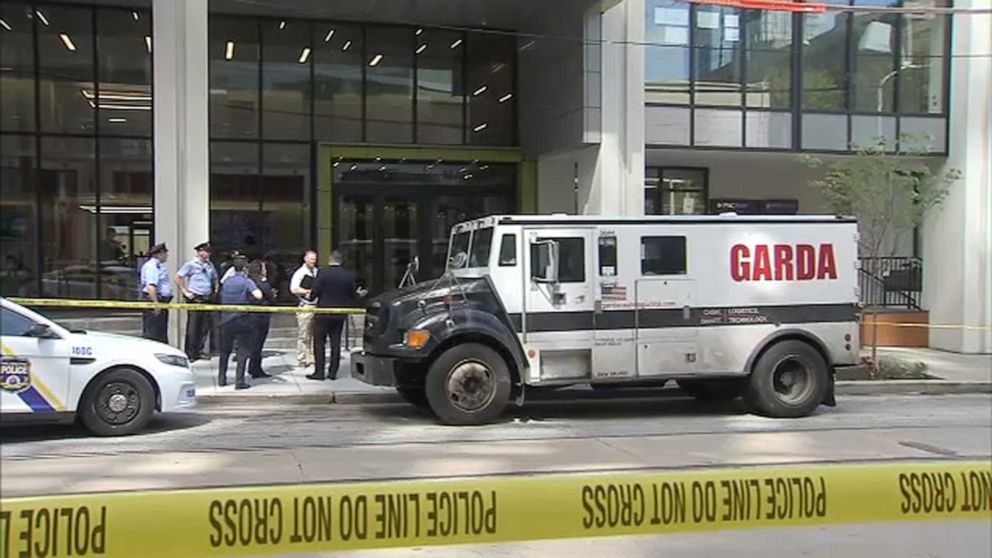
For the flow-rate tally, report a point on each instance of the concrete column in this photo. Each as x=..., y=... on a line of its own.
x=957, y=243
x=180, y=59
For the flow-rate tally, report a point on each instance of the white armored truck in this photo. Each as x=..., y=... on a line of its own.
x=763, y=308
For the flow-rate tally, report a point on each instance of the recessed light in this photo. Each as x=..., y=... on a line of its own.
x=346, y=45
x=304, y=55
x=456, y=43
x=282, y=24
x=229, y=50
x=117, y=120
x=506, y=97
x=67, y=41
x=421, y=48
x=481, y=127
x=480, y=91
x=134, y=15
x=327, y=37
x=42, y=17
x=4, y=24
x=375, y=60
x=419, y=31
x=353, y=167
x=148, y=43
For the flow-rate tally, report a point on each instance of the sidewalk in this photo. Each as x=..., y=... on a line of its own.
x=957, y=374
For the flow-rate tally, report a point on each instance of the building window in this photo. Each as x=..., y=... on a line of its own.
x=389, y=56
x=337, y=82
x=824, y=67
x=663, y=255
x=666, y=58
x=76, y=211
x=286, y=88
x=440, y=87
x=922, y=67
x=768, y=59
x=717, y=56
x=675, y=191
x=491, y=94
x=234, y=87
x=873, y=43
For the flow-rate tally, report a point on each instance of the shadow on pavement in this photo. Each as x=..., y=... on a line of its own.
x=14, y=433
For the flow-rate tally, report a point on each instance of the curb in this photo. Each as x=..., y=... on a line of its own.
x=867, y=388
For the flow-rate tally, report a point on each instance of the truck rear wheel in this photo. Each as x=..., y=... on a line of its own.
x=118, y=403
x=789, y=380
x=468, y=384
x=721, y=389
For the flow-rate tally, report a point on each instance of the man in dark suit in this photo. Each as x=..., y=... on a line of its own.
x=334, y=287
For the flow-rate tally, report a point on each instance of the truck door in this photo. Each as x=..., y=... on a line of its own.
x=665, y=328
x=34, y=367
x=612, y=354
x=558, y=302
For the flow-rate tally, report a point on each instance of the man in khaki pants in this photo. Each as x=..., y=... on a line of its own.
x=300, y=285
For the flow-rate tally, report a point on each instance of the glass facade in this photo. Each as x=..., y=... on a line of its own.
x=76, y=182
x=724, y=77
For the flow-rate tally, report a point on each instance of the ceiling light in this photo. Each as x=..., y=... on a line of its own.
x=382, y=168
x=282, y=24
x=117, y=120
x=377, y=159
x=304, y=55
x=419, y=31
x=229, y=50
x=422, y=48
x=42, y=17
x=327, y=37
x=134, y=14
x=456, y=43
x=346, y=45
x=480, y=91
x=506, y=97
x=481, y=127
x=336, y=163
x=115, y=96
x=67, y=41
x=120, y=107
x=375, y=60
x=148, y=43
x=353, y=167
x=5, y=25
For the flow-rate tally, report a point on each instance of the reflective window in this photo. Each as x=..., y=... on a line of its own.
x=65, y=69
x=441, y=87
x=675, y=191
x=663, y=255
x=285, y=206
x=508, y=250
x=234, y=195
x=286, y=55
x=717, y=40
x=337, y=75
x=607, y=256
x=768, y=64
x=234, y=95
x=666, y=58
x=389, y=56
x=124, y=70
x=824, y=71
x=67, y=187
x=571, y=259
x=17, y=77
x=18, y=221
x=14, y=324
x=873, y=75
x=125, y=224
x=490, y=91
x=922, y=69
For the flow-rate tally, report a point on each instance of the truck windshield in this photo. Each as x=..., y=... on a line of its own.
x=470, y=249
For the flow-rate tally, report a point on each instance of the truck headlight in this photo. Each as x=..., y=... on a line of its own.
x=416, y=338
x=173, y=360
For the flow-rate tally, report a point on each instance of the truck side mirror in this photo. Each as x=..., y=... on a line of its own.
x=544, y=261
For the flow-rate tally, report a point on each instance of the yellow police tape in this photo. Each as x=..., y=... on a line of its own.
x=138, y=305
x=349, y=516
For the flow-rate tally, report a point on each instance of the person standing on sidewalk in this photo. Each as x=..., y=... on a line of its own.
x=237, y=327
x=335, y=287
x=155, y=287
x=197, y=280
x=261, y=321
x=300, y=285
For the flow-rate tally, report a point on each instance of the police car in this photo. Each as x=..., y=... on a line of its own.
x=112, y=383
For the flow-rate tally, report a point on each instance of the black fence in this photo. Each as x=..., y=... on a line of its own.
x=891, y=282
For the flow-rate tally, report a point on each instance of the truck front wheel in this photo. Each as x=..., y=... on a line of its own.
x=789, y=380
x=468, y=384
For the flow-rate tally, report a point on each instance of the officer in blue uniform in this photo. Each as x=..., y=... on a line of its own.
x=197, y=280
x=237, y=327
x=155, y=287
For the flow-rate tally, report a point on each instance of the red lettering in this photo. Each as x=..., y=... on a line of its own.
x=762, y=263
x=826, y=267
x=783, y=262
x=740, y=268
x=805, y=262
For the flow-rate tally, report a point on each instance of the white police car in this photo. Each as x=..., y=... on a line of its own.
x=113, y=383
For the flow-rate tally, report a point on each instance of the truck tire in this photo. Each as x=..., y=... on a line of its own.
x=468, y=384
x=414, y=395
x=118, y=403
x=789, y=380
x=722, y=389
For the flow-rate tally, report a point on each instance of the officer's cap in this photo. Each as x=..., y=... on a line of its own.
x=205, y=246
x=157, y=249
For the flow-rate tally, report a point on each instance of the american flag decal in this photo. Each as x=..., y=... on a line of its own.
x=614, y=292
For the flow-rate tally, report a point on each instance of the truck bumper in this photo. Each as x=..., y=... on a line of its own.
x=373, y=370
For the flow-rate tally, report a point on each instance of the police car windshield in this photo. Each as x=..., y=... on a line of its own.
x=470, y=248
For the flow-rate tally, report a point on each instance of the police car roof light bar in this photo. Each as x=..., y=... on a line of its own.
x=772, y=5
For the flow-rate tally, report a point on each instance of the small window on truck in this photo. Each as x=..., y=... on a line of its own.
x=508, y=250
x=663, y=255
x=607, y=256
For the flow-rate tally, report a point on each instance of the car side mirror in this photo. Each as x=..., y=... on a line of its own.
x=41, y=331
x=544, y=259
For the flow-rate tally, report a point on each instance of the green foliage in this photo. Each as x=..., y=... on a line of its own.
x=889, y=189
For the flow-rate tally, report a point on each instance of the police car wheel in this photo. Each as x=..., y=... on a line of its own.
x=117, y=403
x=713, y=390
x=468, y=384
x=790, y=380
x=414, y=395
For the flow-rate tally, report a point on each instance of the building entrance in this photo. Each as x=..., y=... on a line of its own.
x=387, y=213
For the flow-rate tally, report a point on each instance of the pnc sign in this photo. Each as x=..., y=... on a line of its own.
x=782, y=262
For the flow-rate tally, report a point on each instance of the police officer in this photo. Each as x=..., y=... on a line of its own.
x=237, y=327
x=155, y=287
x=197, y=280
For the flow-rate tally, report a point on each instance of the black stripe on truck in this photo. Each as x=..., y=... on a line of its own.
x=675, y=317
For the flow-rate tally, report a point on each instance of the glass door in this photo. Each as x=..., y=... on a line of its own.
x=356, y=218
x=399, y=228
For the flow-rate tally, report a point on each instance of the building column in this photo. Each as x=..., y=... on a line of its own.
x=957, y=243
x=180, y=62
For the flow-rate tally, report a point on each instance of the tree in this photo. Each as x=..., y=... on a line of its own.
x=888, y=188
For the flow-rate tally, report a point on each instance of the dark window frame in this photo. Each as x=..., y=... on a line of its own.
x=661, y=173
x=507, y=240
x=665, y=238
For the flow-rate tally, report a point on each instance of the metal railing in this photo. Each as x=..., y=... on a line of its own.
x=891, y=282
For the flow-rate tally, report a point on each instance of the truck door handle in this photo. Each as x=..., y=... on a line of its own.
x=686, y=312
x=597, y=307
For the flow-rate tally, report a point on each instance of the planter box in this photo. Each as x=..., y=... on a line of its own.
x=895, y=336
